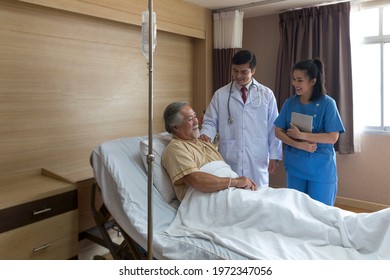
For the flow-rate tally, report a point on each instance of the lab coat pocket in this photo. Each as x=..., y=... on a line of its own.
x=258, y=153
x=228, y=150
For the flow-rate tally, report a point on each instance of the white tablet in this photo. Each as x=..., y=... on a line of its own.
x=302, y=121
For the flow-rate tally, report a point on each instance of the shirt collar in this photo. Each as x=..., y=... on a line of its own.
x=239, y=87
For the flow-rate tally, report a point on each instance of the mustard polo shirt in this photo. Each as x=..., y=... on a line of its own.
x=182, y=157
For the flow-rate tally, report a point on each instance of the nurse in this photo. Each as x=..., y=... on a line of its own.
x=309, y=157
x=242, y=113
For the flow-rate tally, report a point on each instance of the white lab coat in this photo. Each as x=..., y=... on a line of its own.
x=249, y=142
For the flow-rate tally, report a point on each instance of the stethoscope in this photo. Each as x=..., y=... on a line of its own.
x=230, y=118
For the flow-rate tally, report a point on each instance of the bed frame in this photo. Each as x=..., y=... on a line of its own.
x=128, y=249
x=121, y=180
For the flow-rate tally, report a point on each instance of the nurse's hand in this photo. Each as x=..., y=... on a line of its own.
x=308, y=146
x=205, y=138
x=294, y=132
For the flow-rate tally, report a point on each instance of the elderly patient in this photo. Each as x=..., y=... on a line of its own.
x=185, y=154
x=259, y=222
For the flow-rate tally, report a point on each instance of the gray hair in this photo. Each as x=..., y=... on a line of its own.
x=172, y=116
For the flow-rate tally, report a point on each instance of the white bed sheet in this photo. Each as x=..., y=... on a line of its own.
x=280, y=224
x=122, y=177
x=120, y=173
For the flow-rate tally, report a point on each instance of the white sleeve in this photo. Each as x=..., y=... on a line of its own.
x=211, y=118
x=274, y=144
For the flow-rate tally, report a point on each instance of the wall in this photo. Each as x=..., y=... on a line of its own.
x=73, y=76
x=362, y=176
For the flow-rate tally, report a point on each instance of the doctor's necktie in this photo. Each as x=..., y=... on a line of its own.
x=243, y=90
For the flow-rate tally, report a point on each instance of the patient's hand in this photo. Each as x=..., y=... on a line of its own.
x=244, y=183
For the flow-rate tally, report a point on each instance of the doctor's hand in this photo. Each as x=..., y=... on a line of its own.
x=272, y=166
x=205, y=138
x=244, y=183
x=294, y=132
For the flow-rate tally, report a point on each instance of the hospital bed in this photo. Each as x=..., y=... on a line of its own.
x=120, y=168
x=222, y=225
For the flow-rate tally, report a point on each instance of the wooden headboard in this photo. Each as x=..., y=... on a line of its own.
x=73, y=76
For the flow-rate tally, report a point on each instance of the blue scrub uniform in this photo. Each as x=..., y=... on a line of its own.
x=312, y=173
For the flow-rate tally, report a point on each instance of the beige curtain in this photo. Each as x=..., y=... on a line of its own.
x=321, y=32
x=228, y=28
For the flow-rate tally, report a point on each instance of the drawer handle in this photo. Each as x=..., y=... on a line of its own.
x=44, y=246
x=41, y=211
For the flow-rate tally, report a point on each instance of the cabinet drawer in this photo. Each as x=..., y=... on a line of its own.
x=34, y=211
x=55, y=238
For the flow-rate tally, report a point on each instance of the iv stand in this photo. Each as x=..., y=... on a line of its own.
x=150, y=158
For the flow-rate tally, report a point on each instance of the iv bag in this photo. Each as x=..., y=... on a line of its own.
x=145, y=34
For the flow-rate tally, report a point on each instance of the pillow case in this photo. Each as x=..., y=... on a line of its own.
x=161, y=180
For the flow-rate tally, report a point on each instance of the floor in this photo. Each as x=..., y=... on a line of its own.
x=89, y=250
x=352, y=209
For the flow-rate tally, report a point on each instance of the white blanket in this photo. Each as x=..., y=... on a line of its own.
x=280, y=224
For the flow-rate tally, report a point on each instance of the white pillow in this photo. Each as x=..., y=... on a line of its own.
x=219, y=168
x=161, y=180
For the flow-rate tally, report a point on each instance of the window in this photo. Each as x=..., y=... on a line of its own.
x=370, y=43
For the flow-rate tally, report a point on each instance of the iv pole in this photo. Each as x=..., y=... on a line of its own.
x=150, y=158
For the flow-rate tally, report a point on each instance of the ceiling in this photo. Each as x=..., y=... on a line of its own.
x=261, y=7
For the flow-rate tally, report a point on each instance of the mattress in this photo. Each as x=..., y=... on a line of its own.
x=120, y=172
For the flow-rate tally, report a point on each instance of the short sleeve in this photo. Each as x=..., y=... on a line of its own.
x=333, y=122
x=282, y=120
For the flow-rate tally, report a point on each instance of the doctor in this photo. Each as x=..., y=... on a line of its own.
x=242, y=113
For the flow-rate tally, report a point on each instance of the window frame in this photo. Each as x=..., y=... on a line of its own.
x=381, y=40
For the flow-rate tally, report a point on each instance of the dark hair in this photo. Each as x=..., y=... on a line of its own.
x=172, y=116
x=314, y=69
x=244, y=57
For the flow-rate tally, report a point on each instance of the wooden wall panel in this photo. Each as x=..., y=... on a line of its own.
x=175, y=16
x=69, y=82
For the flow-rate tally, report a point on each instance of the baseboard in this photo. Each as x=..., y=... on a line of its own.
x=366, y=205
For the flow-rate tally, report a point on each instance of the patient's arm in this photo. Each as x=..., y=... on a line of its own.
x=209, y=183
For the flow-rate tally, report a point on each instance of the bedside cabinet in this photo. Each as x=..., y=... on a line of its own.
x=38, y=219
x=81, y=175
